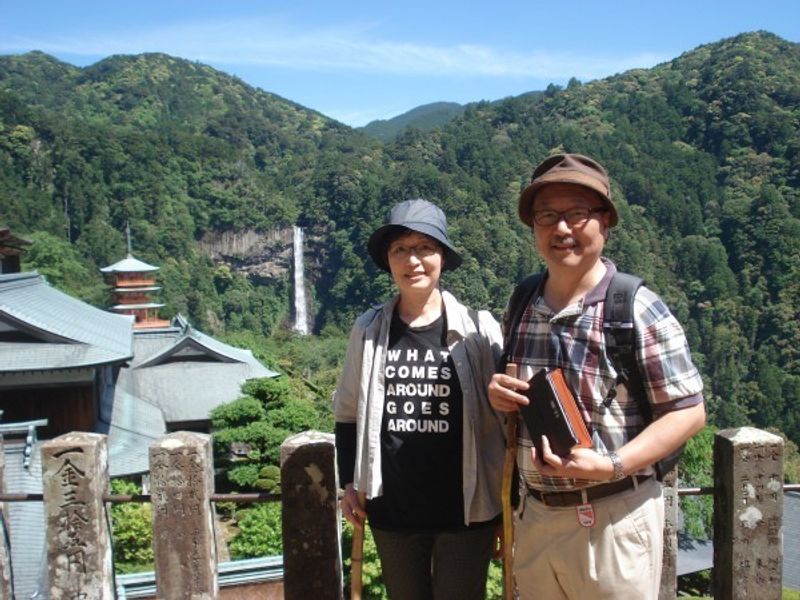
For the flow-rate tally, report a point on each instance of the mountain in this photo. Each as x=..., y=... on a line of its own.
x=703, y=151
x=425, y=118
x=175, y=149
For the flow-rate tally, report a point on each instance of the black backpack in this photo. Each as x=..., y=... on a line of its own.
x=620, y=338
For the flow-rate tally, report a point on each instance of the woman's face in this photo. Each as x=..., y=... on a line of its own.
x=415, y=261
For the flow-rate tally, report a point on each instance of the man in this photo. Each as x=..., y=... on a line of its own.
x=590, y=524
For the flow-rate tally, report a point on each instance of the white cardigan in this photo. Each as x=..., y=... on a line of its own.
x=359, y=399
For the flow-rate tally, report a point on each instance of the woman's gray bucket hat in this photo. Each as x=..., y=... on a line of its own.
x=413, y=215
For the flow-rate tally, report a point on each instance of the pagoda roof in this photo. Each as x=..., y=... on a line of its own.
x=136, y=306
x=135, y=290
x=129, y=265
x=42, y=328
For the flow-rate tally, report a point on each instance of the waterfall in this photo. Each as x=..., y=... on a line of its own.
x=300, y=317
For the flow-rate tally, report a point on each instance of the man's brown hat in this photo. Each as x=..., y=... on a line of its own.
x=567, y=168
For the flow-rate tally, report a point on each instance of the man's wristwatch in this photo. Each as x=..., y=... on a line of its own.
x=616, y=461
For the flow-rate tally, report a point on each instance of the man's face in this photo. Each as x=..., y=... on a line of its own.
x=564, y=245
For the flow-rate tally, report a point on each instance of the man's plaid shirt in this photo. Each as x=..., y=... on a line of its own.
x=573, y=340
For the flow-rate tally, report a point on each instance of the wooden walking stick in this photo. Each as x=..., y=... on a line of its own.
x=357, y=555
x=508, y=511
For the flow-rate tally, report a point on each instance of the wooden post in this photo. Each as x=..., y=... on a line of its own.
x=312, y=562
x=6, y=583
x=181, y=482
x=669, y=563
x=748, y=514
x=507, y=483
x=74, y=480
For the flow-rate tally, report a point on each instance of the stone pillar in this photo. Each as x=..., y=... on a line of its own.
x=6, y=583
x=748, y=514
x=181, y=484
x=312, y=563
x=669, y=564
x=74, y=480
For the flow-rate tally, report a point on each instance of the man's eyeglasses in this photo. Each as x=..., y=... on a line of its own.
x=403, y=252
x=573, y=216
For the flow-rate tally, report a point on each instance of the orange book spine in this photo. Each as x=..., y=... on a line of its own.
x=570, y=406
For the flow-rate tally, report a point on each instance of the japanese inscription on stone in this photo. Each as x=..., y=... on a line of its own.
x=182, y=520
x=748, y=528
x=75, y=477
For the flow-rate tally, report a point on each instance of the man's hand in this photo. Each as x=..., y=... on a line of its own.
x=503, y=394
x=580, y=463
x=352, y=507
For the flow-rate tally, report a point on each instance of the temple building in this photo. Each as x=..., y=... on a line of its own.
x=68, y=366
x=58, y=355
x=59, y=358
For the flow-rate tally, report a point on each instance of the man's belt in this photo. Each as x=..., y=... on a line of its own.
x=575, y=497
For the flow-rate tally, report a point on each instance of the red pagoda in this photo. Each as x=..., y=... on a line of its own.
x=133, y=282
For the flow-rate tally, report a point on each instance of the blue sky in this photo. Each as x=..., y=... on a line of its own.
x=358, y=61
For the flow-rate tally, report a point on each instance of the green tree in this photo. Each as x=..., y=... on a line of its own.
x=64, y=268
x=696, y=469
x=238, y=413
x=132, y=531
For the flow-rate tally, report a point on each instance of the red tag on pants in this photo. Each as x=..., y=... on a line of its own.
x=585, y=514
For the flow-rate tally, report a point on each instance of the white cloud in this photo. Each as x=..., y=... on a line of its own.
x=278, y=44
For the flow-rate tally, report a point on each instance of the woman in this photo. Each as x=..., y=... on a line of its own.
x=415, y=433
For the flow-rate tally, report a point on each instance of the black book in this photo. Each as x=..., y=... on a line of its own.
x=553, y=411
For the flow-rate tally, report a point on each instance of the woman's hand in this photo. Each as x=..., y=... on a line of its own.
x=503, y=394
x=498, y=547
x=353, y=507
x=580, y=463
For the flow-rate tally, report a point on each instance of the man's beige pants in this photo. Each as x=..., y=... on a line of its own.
x=618, y=558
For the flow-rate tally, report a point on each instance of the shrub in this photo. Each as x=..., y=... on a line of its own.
x=132, y=530
x=259, y=532
x=238, y=413
x=269, y=479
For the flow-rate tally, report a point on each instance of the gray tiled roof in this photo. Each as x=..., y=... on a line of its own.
x=193, y=342
x=72, y=334
x=135, y=424
x=187, y=391
x=19, y=356
x=26, y=522
x=694, y=554
x=186, y=373
x=697, y=555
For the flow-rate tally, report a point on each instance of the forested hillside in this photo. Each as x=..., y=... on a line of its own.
x=704, y=153
x=425, y=117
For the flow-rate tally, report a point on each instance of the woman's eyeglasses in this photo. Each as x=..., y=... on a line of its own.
x=403, y=252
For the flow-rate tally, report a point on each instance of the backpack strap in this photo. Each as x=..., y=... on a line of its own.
x=619, y=331
x=620, y=336
x=520, y=298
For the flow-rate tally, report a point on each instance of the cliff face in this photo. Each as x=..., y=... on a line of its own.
x=264, y=258
x=260, y=256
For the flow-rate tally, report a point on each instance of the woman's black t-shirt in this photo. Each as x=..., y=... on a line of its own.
x=421, y=433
